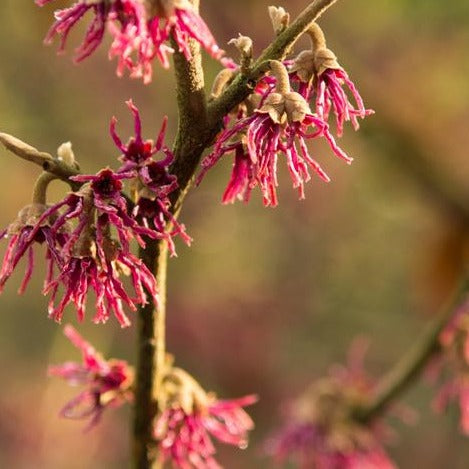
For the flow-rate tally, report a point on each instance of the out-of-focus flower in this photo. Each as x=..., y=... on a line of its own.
x=189, y=417
x=140, y=32
x=281, y=124
x=318, y=72
x=153, y=182
x=454, y=340
x=321, y=431
x=107, y=382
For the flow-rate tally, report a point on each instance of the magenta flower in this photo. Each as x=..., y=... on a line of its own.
x=154, y=183
x=92, y=259
x=318, y=71
x=281, y=125
x=189, y=417
x=23, y=234
x=107, y=383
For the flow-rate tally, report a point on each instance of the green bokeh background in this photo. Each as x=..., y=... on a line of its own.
x=265, y=300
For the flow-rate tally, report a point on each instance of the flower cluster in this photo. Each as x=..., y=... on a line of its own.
x=140, y=32
x=107, y=382
x=188, y=418
x=454, y=340
x=321, y=432
x=88, y=234
x=276, y=120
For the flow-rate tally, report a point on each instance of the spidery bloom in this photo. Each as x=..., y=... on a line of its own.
x=454, y=340
x=28, y=230
x=140, y=32
x=107, y=382
x=181, y=19
x=153, y=182
x=318, y=72
x=320, y=432
x=92, y=259
x=189, y=417
x=282, y=124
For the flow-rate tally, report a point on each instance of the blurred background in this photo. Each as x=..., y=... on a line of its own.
x=266, y=299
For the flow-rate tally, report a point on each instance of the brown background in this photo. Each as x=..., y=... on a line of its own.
x=265, y=300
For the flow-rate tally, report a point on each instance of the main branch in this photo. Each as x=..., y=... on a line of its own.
x=197, y=128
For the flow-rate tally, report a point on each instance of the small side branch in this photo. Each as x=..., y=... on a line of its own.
x=413, y=363
x=46, y=161
x=241, y=87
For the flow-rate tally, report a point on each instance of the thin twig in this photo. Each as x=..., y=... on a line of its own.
x=414, y=361
x=46, y=161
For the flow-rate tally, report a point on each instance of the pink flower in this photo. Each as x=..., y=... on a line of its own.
x=321, y=431
x=138, y=35
x=308, y=446
x=23, y=234
x=281, y=125
x=134, y=44
x=318, y=72
x=190, y=417
x=154, y=181
x=454, y=340
x=457, y=389
x=107, y=383
x=179, y=18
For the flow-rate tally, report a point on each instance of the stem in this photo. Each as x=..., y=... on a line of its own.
x=318, y=40
x=47, y=162
x=411, y=365
x=188, y=147
x=40, y=187
x=150, y=358
x=279, y=71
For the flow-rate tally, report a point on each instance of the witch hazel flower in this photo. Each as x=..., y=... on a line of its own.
x=318, y=71
x=153, y=183
x=133, y=45
x=281, y=125
x=320, y=430
x=107, y=383
x=93, y=260
x=29, y=230
x=179, y=18
x=189, y=417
